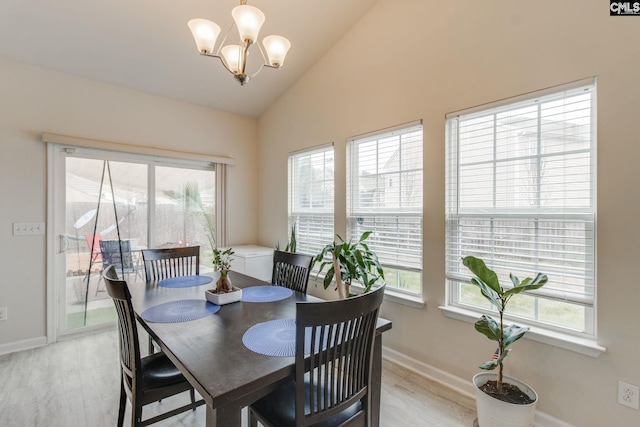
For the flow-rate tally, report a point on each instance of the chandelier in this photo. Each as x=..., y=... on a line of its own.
x=248, y=20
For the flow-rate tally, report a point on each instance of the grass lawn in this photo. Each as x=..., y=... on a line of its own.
x=94, y=317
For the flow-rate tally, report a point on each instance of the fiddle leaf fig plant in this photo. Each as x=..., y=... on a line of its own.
x=349, y=261
x=487, y=281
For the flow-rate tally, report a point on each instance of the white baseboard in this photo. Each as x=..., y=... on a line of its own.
x=462, y=386
x=22, y=345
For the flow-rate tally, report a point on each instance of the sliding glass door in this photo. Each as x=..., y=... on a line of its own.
x=185, y=206
x=110, y=206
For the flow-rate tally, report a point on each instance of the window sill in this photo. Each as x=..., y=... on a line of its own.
x=585, y=346
x=415, y=301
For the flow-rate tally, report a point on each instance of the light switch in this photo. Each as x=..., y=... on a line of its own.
x=28, y=228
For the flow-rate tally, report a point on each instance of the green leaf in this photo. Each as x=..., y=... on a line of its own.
x=365, y=235
x=488, y=293
x=527, y=284
x=512, y=334
x=489, y=327
x=489, y=365
x=328, y=278
x=484, y=273
x=337, y=250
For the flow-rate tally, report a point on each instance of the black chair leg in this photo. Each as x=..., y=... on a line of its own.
x=253, y=421
x=136, y=415
x=192, y=392
x=123, y=403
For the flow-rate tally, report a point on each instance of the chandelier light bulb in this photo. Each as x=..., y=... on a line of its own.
x=232, y=54
x=277, y=48
x=205, y=34
x=249, y=21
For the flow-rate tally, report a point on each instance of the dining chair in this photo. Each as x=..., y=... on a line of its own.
x=118, y=253
x=291, y=270
x=143, y=380
x=165, y=263
x=333, y=363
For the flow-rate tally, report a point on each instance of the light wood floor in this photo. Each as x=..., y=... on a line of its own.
x=76, y=383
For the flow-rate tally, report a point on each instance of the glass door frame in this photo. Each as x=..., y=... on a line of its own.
x=57, y=243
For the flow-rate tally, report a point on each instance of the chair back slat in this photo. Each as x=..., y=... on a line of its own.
x=291, y=270
x=334, y=349
x=127, y=330
x=165, y=263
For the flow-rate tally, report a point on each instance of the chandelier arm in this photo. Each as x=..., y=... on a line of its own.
x=226, y=35
x=224, y=64
x=265, y=60
x=245, y=48
x=259, y=69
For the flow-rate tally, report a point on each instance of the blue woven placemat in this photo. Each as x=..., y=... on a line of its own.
x=277, y=338
x=184, y=281
x=265, y=293
x=272, y=338
x=179, y=311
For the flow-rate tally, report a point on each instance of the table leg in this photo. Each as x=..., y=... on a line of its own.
x=376, y=381
x=223, y=417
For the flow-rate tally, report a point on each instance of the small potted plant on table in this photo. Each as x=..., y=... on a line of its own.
x=501, y=401
x=224, y=293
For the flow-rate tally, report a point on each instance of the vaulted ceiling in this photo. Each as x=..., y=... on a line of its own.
x=146, y=45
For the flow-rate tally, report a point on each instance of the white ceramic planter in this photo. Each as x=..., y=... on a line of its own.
x=222, y=299
x=496, y=413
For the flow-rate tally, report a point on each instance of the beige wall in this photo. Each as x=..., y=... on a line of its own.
x=33, y=101
x=409, y=60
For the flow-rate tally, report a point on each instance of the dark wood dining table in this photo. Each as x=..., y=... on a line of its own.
x=210, y=353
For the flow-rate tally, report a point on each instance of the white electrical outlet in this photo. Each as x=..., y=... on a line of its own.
x=28, y=228
x=3, y=313
x=628, y=395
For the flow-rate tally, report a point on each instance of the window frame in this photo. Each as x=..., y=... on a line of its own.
x=458, y=309
x=326, y=212
x=357, y=212
x=57, y=153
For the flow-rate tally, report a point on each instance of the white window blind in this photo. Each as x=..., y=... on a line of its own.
x=311, y=194
x=384, y=195
x=521, y=195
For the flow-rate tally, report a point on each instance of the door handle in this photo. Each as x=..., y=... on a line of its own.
x=64, y=243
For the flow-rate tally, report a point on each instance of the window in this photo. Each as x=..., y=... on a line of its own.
x=521, y=195
x=311, y=198
x=384, y=195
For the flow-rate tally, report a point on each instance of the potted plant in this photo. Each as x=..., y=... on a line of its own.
x=224, y=293
x=501, y=401
x=291, y=244
x=353, y=261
